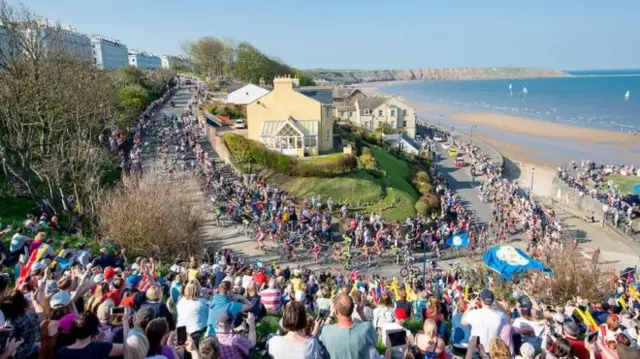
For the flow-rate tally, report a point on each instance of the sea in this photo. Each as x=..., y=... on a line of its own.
x=587, y=98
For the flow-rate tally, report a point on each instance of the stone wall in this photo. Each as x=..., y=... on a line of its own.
x=566, y=195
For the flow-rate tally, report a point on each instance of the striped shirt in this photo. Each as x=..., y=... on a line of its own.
x=271, y=299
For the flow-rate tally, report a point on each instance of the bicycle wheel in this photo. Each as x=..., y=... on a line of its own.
x=404, y=272
x=415, y=271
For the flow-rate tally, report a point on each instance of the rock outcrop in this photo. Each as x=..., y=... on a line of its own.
x=360, y=76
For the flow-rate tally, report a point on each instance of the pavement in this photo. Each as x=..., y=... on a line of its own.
x=230, y=235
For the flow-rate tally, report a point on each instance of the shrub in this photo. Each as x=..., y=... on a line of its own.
x=326, y=166
x=427, y=203
x=367, y=158
x=573, y=276
x=151, y=216
x=422, y=182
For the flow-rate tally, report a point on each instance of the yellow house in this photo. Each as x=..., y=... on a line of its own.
x=293, y=121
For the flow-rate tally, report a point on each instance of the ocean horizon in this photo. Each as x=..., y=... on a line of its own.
x=591, y=98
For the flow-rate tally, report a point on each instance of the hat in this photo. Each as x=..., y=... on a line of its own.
x=527, y=350
x=401, y=314
x=224, y=319
x=133, y=280
x=98, y=278
x=51, y=286
x=60, y=300
x=109, y=273
x=558, y=318
x=104, y=311
x=65, y=323
x=486, y=296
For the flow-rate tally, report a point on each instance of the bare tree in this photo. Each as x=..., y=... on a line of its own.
x=51, y=113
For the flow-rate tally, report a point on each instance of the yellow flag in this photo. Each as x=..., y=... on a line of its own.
x=634, y=293
x=622, y=302
x=466, y=292
x=586, y=319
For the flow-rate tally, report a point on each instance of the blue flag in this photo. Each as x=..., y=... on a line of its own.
x=458, y=240
x=508, y=261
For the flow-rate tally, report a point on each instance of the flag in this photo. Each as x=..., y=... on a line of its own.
x=509, y=261
x=458, y=240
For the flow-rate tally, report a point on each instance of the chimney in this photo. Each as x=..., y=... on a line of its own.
x=282, y=82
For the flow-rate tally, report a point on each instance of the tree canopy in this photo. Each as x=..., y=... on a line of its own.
x=224, y=58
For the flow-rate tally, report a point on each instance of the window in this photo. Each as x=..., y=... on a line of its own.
x=328, y=135
x=404, y=112
x=380, y=113
x=393, y=113
x=404, y=123
x=341, y=113
x=366, y=111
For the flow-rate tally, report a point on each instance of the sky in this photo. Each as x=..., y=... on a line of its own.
x=376, y=34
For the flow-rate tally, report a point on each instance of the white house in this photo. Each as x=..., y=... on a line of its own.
x=246, y=95
x=373, y=112
x=52, y=35
x=144, y=60
x=403, y=143
x=108, y=53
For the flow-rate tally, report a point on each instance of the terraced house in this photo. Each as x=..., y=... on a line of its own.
x=293, y=121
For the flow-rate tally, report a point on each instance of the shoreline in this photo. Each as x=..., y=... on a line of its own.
x=530, y=140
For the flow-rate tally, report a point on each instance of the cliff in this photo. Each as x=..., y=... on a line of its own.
x=360, y=76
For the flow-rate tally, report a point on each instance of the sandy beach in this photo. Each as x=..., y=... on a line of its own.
x=542, y=128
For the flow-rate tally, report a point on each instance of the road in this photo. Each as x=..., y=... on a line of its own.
x=231, y=236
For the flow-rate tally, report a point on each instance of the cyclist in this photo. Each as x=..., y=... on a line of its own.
x=346, y=255
x=262, y=235
x=395, y=252
x=315, y=252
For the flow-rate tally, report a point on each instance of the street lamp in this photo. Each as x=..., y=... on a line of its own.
x=533, y=172
x=472, y=127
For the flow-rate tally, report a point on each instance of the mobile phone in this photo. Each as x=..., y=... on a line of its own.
x=591, y=337
x=117, y=311
x=397, y=337
x=323, y=313
x=182, y=335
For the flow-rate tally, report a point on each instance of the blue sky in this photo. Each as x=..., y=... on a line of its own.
x=376, y=34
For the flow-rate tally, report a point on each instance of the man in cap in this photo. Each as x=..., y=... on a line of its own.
x=485, y=322
x=234, y=346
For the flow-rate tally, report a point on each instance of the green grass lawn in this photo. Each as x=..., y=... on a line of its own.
x=14, y=210
x=397, y=174
x=625, y=183
x=354, y=187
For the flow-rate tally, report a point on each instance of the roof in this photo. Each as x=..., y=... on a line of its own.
x=324, y=96
x=306, y=127
x=246, y=94
x=370, y=102
x=394, y=138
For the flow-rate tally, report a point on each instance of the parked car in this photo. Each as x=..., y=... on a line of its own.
x=438, y=138
x=445, y=146
x=239, y=124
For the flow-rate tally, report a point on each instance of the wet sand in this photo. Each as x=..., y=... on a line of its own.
x=542, y=128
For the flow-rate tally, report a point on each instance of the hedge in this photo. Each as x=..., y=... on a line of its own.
x=248, y=152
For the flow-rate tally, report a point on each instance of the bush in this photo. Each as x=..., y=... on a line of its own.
x=150, y=216
x=328, y=166
x=426, y=204
x=247, y=152
x=367, y=158
x=422, y=182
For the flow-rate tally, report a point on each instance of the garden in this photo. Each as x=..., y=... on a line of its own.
x=373, y=180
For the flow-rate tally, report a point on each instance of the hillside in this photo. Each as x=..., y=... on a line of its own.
x=359, y=76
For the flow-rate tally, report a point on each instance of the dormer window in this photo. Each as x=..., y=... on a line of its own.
x=367, y=111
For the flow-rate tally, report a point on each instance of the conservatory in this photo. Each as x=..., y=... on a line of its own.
x=291, y=137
